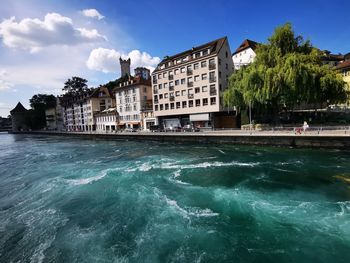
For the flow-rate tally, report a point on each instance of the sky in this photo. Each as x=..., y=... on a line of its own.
x=45, y=42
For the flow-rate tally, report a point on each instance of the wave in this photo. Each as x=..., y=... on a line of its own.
x=207, y=164
x=194, y=212
x=89, y=180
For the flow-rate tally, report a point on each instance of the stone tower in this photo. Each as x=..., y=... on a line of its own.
x=124, y=66
x=18, y=116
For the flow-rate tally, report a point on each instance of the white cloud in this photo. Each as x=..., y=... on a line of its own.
x=107, y=60
x=4, y=83
x=55, y=29
x=93, y=13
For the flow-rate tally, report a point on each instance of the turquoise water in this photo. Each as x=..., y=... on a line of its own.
x=71, y=200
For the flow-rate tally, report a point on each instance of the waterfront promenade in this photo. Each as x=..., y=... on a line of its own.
x=312, y=138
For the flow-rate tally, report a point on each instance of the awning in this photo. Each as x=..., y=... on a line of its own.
x=200, y=117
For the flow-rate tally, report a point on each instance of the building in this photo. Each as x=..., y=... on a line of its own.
x=188, y=87
x=54, y=117
x=18, y=117
x=327, y=58
x=79, y=111
x=344, y=69
x=244, y=54
x=133, y=97
x=107, y=120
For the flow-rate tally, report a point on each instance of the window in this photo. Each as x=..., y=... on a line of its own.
x=165, y=85
x=204, y=89
x=183, y=93
x=219, y=74
x=205, y=52
x=176, y=71
x=226, y=54
x=155, y=97
x=219, y=61
x=226, y=66
x=212, y=101
x=204, y=64
x=196, y=78
x=164, y=75
x=172, y=106
x=165, y=95
x=182, y=69
x=166, y=106
x=189, y=68
x=197, y=55
x=160, y=86
x=198, y=103
x=159, y=76
x=177, y=93
x=197, y=90
x=160, y=96
x=184, y=104
x=190, y=103
x=134, y=98
x=196, y=66
x=178, y=105
x=183, y=81
x=161, y=106
x=205, y=102
x=156, y=107
x=177, y=82
x=204, y=76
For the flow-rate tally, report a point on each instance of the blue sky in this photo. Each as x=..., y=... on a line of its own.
x=43, y=43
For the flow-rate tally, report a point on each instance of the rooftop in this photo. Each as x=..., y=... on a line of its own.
x=247, y=43
x=19, y=108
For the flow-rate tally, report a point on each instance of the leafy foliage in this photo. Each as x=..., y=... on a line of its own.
x=75, y=86
x=35, y=118
x=287, y=71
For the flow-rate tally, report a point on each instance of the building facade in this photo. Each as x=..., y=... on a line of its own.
x=18, y=117
x=54, y=117
x=107, y=120
x=244, y=54
x=79, y=111
x=187, y=87
x=133, y=97
x=344, y=69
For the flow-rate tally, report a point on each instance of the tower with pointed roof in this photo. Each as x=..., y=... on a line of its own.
x=18, y=116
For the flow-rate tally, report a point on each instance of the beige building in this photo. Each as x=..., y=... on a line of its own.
x=79, y=111
x=344, y=69
x=188, y=87
x=133, y=97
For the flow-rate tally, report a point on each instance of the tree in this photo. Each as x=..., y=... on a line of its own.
x=75, y=86
x=42, y=101
x=287, y=71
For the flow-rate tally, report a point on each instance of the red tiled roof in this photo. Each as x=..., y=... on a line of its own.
x=343, y=65
x=247, y=43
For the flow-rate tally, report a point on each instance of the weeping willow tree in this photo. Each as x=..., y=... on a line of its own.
x=287, y=72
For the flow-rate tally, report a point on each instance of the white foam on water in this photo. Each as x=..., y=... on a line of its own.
x=221, y=151
x=207, y=165
x=89, y=180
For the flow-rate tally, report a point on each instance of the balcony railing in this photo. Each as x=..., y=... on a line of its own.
x=212, y=79
x=212, y=66
x=189, y=72
x=190, y=96
x=171, y=77
x=190, y=84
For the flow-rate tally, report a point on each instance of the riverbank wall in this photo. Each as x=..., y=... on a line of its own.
x=291, y=140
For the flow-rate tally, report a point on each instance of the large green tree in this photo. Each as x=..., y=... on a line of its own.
x=35, y=117
x=75, y=86
x=287, y=71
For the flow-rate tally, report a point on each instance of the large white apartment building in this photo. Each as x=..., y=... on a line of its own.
x=244, y=54
x=188, y=87
x=133, y=97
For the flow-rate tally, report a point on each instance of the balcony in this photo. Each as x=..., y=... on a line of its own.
x=212, y=79
x=190, y=96
x=190, y=84
x=189, y=72
x=171, y=77
x=212, y=66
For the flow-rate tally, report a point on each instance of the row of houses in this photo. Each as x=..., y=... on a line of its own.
x=184, y=90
